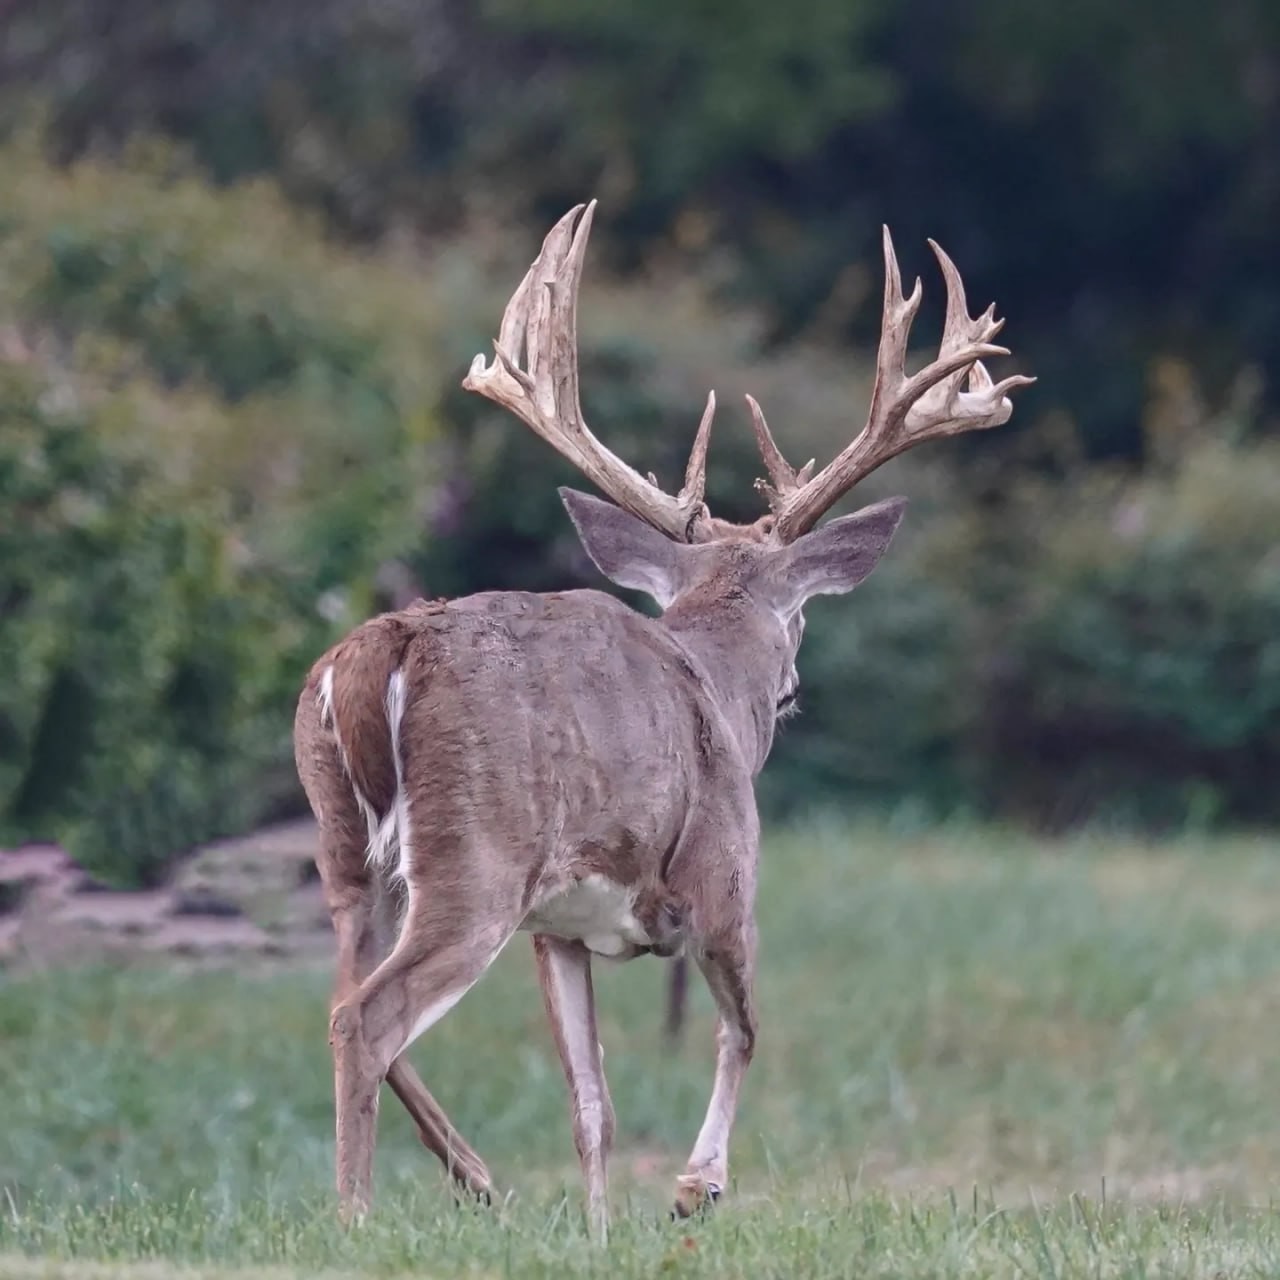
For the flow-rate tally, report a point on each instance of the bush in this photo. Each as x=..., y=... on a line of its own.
x=1139, y=671
x=152, y=668
x=886, y=697
x=216, y=427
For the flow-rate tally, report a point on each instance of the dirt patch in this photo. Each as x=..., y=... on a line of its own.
x=257, y=896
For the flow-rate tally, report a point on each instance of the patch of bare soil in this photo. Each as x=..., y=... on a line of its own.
x=257, y=896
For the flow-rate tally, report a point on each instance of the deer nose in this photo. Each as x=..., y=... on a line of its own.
x=790, y=687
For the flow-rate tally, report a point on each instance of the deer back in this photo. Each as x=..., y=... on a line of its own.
x=562, y=726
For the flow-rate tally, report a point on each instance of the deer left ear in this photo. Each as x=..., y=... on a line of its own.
x=835, y=558
x=625, y=549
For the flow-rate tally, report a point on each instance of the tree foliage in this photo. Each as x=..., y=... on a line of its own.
x=1107, y=170
x=213, y=427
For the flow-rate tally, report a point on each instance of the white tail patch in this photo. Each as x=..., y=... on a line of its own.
x=325, y=698
x=384, y=836
x=397, y=697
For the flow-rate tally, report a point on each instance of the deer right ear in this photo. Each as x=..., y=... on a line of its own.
x=836, y=557
x=625, y=549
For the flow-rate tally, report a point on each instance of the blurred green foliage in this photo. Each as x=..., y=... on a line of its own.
x=212, y=429
x=1104, y=646
x=1108, y=170
x=1141, y=667
x=143, y=706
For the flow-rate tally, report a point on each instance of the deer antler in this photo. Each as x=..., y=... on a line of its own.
x=541, y=323
x=904, y=410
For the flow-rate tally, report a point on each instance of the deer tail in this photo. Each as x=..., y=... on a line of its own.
x=361, y=692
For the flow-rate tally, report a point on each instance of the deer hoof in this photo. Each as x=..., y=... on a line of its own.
x=470, y=1192
x=694, y=1194
x=352, y=1214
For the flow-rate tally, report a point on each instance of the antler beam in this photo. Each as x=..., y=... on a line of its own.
x=904, y=410
x=534, y=374
x=540, y=325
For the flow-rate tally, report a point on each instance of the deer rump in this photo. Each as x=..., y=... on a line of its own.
x=551, y=749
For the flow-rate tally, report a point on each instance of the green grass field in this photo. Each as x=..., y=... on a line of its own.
x=980, y=1054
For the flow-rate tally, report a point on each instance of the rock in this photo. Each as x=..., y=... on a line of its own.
x=256, y=896
x=213, y=937
x=203, y=902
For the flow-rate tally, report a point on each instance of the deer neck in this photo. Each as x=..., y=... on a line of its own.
x=735, y=650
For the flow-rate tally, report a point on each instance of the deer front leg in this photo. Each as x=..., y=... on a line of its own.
x=729, y=968
x=564, y=971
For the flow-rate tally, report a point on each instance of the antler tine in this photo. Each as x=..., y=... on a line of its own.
x=784, y=479
x=539, y=327
x=515, y=319
x=559, y=345
x=960, y=331
x=980, y=383
x=694, y=489
x=906, y=410
x=958, y=320
x=899, y=309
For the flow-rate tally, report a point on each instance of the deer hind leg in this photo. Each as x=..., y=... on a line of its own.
x=440, y=954
x=564, y=972
x=729, y=968
x=362, y=911
x=365, y=928
x=465, y=1167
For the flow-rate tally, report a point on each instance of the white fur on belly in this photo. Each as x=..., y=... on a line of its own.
x=596, y=911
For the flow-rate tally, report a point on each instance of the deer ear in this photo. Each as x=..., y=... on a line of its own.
x=625, y=549
x=835, y=558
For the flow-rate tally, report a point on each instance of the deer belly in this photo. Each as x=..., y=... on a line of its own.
x=596, y=911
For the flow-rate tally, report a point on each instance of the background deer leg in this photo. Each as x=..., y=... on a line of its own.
x=564, y=970
x=413, y=988
x=729, y=971
x=677, y=998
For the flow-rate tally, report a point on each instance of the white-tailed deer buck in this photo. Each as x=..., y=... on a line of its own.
x=562, y=765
